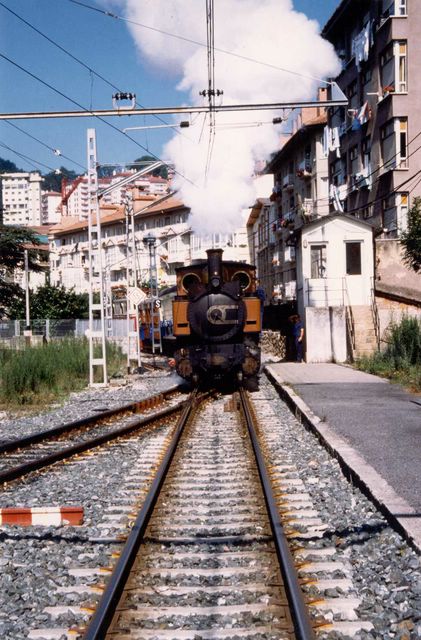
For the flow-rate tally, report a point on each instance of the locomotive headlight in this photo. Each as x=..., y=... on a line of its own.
x=215, y=282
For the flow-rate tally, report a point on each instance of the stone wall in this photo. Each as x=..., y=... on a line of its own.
x=272, y=342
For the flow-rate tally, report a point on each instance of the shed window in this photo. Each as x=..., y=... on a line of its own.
x=318, y=261
x=353, y=258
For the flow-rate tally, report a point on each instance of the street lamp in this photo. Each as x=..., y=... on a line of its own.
x=150, y=242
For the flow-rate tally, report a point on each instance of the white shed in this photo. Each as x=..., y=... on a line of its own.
x=335, y=275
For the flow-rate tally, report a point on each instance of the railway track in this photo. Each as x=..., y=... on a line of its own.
x=206, y=557
x=39, y=450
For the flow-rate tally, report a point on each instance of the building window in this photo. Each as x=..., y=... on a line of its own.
x=353, y=258
x=352, y=93
x=338, y=171
x=318, y=261
x=354, y=159
x=394, y=8
x=394, y=144
x=395, y=214
x=394, y=68
x=402, y=85
x=366, y=152
x=403, y=143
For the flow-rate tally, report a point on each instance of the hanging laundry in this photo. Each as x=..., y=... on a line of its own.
x=361, y=116
x=335, y=143
x=334, y=196
x=342, y=192
x=326, y=141
x=361, y=45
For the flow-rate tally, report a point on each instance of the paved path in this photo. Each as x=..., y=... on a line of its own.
x=373, y=425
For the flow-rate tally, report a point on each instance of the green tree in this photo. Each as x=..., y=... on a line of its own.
x=6, y=166
x=13, y=242
x=411, y=238
x=161, y=171
x=54, y=302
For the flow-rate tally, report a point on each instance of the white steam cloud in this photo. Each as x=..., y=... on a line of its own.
x=268, y=31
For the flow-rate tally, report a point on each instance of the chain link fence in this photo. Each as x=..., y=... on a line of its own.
x=12, y=330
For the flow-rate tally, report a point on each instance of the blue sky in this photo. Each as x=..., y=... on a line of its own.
x=103, y=44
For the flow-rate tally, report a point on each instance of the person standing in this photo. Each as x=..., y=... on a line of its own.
x=298, y=333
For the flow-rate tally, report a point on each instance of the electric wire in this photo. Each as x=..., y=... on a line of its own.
x=83, y=64
x=55, y=151
x=80, y=106
x=35, y=163
x=200, y=44
x=379, y=178
x=210, y=35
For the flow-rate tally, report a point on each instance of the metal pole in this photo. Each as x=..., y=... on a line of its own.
x=127, y=288
x=27, y=315
x=135, y=283
x=96, y=276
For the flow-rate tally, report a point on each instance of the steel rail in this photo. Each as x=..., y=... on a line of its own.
x=133, y=407
x=17, y=472
x=299, y=609
x=105, y=611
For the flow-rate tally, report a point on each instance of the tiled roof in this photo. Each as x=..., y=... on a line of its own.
x=114, y=213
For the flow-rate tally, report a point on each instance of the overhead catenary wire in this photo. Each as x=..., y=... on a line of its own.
x=198, y=43
x=35, y=163
x=78, y=60
x=55, y=151
x=88, y=111
x=210, y=24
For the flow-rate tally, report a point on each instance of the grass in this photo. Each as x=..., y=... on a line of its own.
x=38, y=375
x=400, y=361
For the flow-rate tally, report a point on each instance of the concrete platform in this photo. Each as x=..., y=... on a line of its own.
x=372, y=426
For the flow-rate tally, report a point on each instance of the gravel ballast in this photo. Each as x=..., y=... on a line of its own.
x=35, y=562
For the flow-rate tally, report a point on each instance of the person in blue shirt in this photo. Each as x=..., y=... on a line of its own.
x=298, y=333
x=260, y=293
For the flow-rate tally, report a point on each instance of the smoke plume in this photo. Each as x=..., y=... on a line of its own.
x=269, y=33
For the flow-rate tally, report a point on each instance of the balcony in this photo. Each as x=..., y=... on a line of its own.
x=362, y=179
x=396, y=9
x=288, y=182
x=304, y=169
x=308, y=207
x=289, y=216
x=289, y=254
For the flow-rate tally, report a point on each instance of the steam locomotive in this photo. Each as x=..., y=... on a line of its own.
x=217, y=322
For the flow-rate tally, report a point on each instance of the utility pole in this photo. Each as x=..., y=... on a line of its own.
x=97, y=352
x=27, y=331
x=133, y=294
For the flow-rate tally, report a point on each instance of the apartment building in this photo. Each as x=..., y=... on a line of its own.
x=374, y=157
x=300, y=195
x=166, y=218
x=50, y=207
x=21, y=195
x=75, y=197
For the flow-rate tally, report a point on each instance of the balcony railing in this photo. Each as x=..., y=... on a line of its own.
x=288, y=181
x=324, y=292
x=304, y=169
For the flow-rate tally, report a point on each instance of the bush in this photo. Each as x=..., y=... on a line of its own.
x=401, y=360
x=35, y=375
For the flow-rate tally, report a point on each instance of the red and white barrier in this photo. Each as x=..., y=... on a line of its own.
x=45, y=516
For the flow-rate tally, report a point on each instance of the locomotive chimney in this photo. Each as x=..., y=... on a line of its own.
x=215, y=267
